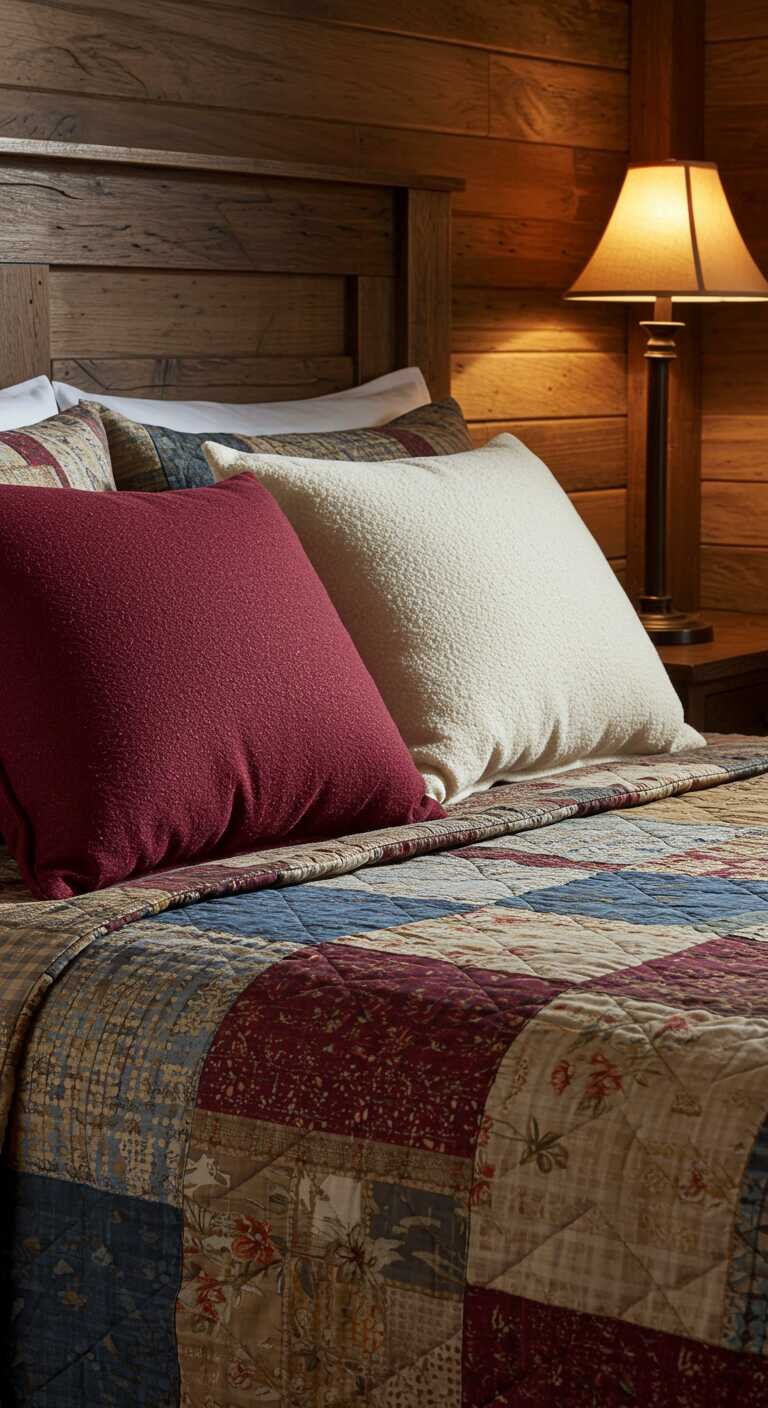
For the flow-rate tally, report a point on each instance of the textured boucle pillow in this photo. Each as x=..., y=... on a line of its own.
x=69, y=451
x=151, y=457
x=484, y=609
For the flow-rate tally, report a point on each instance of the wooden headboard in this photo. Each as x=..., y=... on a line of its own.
x=178, y=275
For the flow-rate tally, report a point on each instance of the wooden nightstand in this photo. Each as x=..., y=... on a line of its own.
x=724, y=683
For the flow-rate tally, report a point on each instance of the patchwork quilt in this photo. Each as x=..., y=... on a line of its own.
x=469, y=1114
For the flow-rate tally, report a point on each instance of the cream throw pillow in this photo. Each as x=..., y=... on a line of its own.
x=484, y=609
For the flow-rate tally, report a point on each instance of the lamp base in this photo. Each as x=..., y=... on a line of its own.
x=666, y=626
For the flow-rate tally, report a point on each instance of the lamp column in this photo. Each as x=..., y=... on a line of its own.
x=663, y=623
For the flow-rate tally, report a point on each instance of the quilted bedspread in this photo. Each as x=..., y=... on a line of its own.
x=469, y=1114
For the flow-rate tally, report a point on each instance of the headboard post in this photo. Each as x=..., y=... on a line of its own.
x=374, y=326
x=425, y=285
x=25, y=342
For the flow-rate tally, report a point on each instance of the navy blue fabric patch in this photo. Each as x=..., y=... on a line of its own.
x=308, y=914
x=180, y=452
x=88, y=1286
x=650, y=897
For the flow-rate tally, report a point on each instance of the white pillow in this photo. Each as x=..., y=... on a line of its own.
x=495, y=629
x=372, y=404
x=27, y=403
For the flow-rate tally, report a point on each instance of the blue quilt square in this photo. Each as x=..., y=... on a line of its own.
x=651, y=897
x=309, y=914
x=88, y=1286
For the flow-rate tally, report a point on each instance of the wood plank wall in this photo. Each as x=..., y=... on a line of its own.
x=735, y=339
x=527, y=101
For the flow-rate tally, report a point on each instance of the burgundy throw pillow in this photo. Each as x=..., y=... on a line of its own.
x=176, y=684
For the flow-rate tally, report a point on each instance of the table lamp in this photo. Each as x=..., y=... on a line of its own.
x=671, y=237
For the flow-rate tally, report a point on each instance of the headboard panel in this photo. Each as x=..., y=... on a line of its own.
x=181, y=275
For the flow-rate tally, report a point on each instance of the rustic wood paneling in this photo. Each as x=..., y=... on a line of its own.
x=734, y=447
x=604, y=512
x=524, y=253
x=503, y=177
x=100, y=313
x=734, y=513
x=667, y=79
x=188, y=53
x=583, y=454
x=585, y=31
x=736, y=72
x=208, y=378
x=737, y=138
x=79, y=117
x=536, y=101
x=533, y=385
x=494, y=320
x=735, y=382
x=507, y=178
x=735, y=338
x=736, y=19
x=25, y=330
x=526, y=101
x=734, y=579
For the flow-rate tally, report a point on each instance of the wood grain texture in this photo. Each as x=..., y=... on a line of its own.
x=736, y=138
x=582, y=454
x=736, y=72
x=735, y=361
x=66, y=213
x=425, y=286
x=735, y=382
x=739, y=329
x=534, y=385
x=734, y=447
x=525, y=253
x=374, y=331
x=98, y=313
x=33, y=113
x=508, y=320
x=667, y=79
x=224, y=378
x=736, y=19
x=505, y=177
x=735, y=514
x=734, y=578
x=25, y=341
x=739, y=646
x=584, y=31
x=180, y=161
x=604, y=512
x=536, y=101
x=172, y=52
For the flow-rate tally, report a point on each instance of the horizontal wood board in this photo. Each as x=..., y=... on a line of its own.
x=735, y=338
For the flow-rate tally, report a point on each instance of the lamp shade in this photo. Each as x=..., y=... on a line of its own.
x=671, y=235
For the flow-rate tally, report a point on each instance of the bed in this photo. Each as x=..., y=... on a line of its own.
x=469, y=1111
